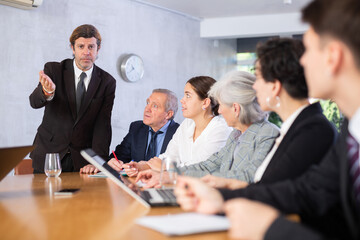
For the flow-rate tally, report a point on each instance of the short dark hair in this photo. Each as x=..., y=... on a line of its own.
x=201, y=86
x=85, y=31
x=280, y=59
x=336, y=18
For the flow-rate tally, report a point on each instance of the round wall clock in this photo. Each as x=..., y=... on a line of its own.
x=132, y=68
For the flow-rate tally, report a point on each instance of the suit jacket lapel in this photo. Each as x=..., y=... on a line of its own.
x=69, y=80
x=93, y=86
x=310, y=110
x=349, y=204
x=144, y=131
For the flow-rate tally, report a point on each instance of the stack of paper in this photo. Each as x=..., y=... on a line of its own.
x=185, y=223
x=102, y=175
x=98, y=175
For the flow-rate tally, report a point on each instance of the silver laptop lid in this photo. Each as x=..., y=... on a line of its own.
x=121, y=181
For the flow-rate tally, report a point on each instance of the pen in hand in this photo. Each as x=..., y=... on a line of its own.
x=117, y=159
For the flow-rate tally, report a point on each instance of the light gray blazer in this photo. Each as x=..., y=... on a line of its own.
x=240, y=157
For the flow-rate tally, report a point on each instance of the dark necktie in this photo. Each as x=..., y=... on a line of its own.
x=151, y=151
x=353, y=154
x=80, y=91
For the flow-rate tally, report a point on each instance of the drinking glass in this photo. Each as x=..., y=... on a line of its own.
x=168, y=173
x=52, y=166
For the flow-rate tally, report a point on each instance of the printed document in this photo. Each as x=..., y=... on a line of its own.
x=185, y=223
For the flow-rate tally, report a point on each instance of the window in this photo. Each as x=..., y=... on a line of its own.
x=246, y=61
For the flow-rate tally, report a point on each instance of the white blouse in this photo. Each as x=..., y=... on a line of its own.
x=186, y=152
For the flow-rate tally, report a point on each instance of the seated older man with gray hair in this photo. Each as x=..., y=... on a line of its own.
x=148, y=137
x=249, y=143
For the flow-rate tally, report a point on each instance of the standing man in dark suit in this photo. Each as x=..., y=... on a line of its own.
x=331, y=188
x=159, y=113
x=78, y=98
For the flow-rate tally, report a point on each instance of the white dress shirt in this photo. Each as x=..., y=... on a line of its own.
x=183, y=149
x=78, y=71
x=283, y=130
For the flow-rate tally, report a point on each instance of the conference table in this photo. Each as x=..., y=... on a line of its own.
x=100, y=210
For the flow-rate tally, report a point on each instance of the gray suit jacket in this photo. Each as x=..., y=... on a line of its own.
x=250, y=150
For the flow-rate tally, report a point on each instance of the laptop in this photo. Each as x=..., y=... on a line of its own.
x=10, y=157
x=149, y=197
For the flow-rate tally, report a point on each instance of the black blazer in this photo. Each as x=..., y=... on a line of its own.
x=62, y=130
x=307, y=141
x=323, y=188
x=134, y=144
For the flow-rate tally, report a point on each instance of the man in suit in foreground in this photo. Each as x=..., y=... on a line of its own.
x=331, y=188
x=158, y=117
x=78, y=98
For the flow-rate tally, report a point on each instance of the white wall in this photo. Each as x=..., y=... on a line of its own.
x=169, y=44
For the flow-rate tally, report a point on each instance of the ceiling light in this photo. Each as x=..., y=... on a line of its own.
x=287, y=1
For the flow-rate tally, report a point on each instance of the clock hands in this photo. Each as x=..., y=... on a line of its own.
x=132, y=69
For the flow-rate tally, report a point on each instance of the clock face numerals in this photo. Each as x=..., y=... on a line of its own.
x=132, y=68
